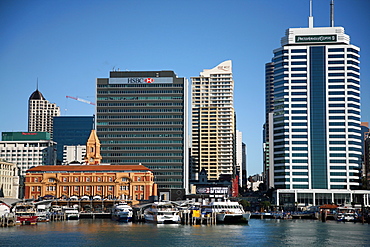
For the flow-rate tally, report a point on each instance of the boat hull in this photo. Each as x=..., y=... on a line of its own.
x=27, y=220
x=232, y=218
x=122, y=218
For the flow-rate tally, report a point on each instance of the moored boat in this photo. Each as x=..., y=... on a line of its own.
x=346, y=214
x=122, y=212
x=227, y=212
x=71, y=213
x=25, y=213
x=162, y=213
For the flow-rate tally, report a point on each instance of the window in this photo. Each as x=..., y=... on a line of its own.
x=76, y=179
x=124, y=179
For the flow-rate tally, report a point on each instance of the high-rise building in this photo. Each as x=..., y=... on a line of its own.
x=316, y=119
x=239, y=155
x=41, y=113
x=27, y=149
x=267, y=131
x=213, y=124
x=71, y=131
x=142, y=118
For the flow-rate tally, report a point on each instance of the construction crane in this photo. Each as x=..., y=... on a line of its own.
x=82, y=100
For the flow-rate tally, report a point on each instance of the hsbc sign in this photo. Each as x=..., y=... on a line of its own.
x=140, y=80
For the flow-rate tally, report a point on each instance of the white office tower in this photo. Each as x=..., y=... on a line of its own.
x=213, y=121
x=316, y=120
x=41, y=113
x=239, y=156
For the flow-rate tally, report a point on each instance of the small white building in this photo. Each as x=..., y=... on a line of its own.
x=9, y=180
x=73, y=154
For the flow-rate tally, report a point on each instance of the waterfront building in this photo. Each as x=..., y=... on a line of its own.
x=125, y=182
x=364, y=136
x=213, y=122
x=71, y=131
x=209, y=191
x=27, y=149
x=142, y=118
x=74, y=154
x=9, y=180
x=316, y=117
x=366, y=153
x=41, y=113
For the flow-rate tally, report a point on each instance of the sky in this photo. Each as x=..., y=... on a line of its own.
x=63, y=46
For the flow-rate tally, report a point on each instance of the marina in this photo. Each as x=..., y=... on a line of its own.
x=266, y=232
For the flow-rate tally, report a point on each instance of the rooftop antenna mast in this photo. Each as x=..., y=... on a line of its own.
x=332, y=13
x=310, y=18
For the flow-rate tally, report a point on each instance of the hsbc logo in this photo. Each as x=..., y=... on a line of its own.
x=140, y=80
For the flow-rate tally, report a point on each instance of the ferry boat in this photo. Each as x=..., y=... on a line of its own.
x=162, y=213
x=346, y=214
x=42, y=213
x=122, y=212
x=25, y=213
x=71, y=213
x=227, y=212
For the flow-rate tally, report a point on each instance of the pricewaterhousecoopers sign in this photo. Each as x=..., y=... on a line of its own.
x=316, y=38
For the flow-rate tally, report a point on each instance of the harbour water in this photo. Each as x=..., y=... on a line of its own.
x=269, y=232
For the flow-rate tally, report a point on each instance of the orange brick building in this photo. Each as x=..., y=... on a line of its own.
x=124, y=182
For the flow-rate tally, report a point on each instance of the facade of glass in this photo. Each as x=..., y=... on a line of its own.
x=142, y=118
x=316, y=122
x=71, y=130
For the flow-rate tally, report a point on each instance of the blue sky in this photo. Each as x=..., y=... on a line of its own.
x=66, y=45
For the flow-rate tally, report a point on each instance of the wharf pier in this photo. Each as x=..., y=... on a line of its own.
x=8, y=220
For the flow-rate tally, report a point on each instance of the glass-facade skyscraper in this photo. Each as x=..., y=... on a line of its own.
x=316, y=117
x=142, y=118
x=71, y=131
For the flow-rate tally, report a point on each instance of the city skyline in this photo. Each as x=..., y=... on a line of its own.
x=65, y=47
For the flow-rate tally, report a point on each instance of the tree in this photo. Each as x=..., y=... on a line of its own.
x=265, y=205
x=245, y=203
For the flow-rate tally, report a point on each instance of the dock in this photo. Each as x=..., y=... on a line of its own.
x=7, y=220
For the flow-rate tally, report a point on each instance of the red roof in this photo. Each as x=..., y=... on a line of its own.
x=88, y=168
x=328, y=206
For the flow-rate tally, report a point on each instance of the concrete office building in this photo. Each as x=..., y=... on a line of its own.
x=316, y=118
x=41, y=113
x=141, y=118
x=27, y=149
x=213, y=122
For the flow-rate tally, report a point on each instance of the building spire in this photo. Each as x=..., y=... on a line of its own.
x=332, y=13
x=310, y=18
